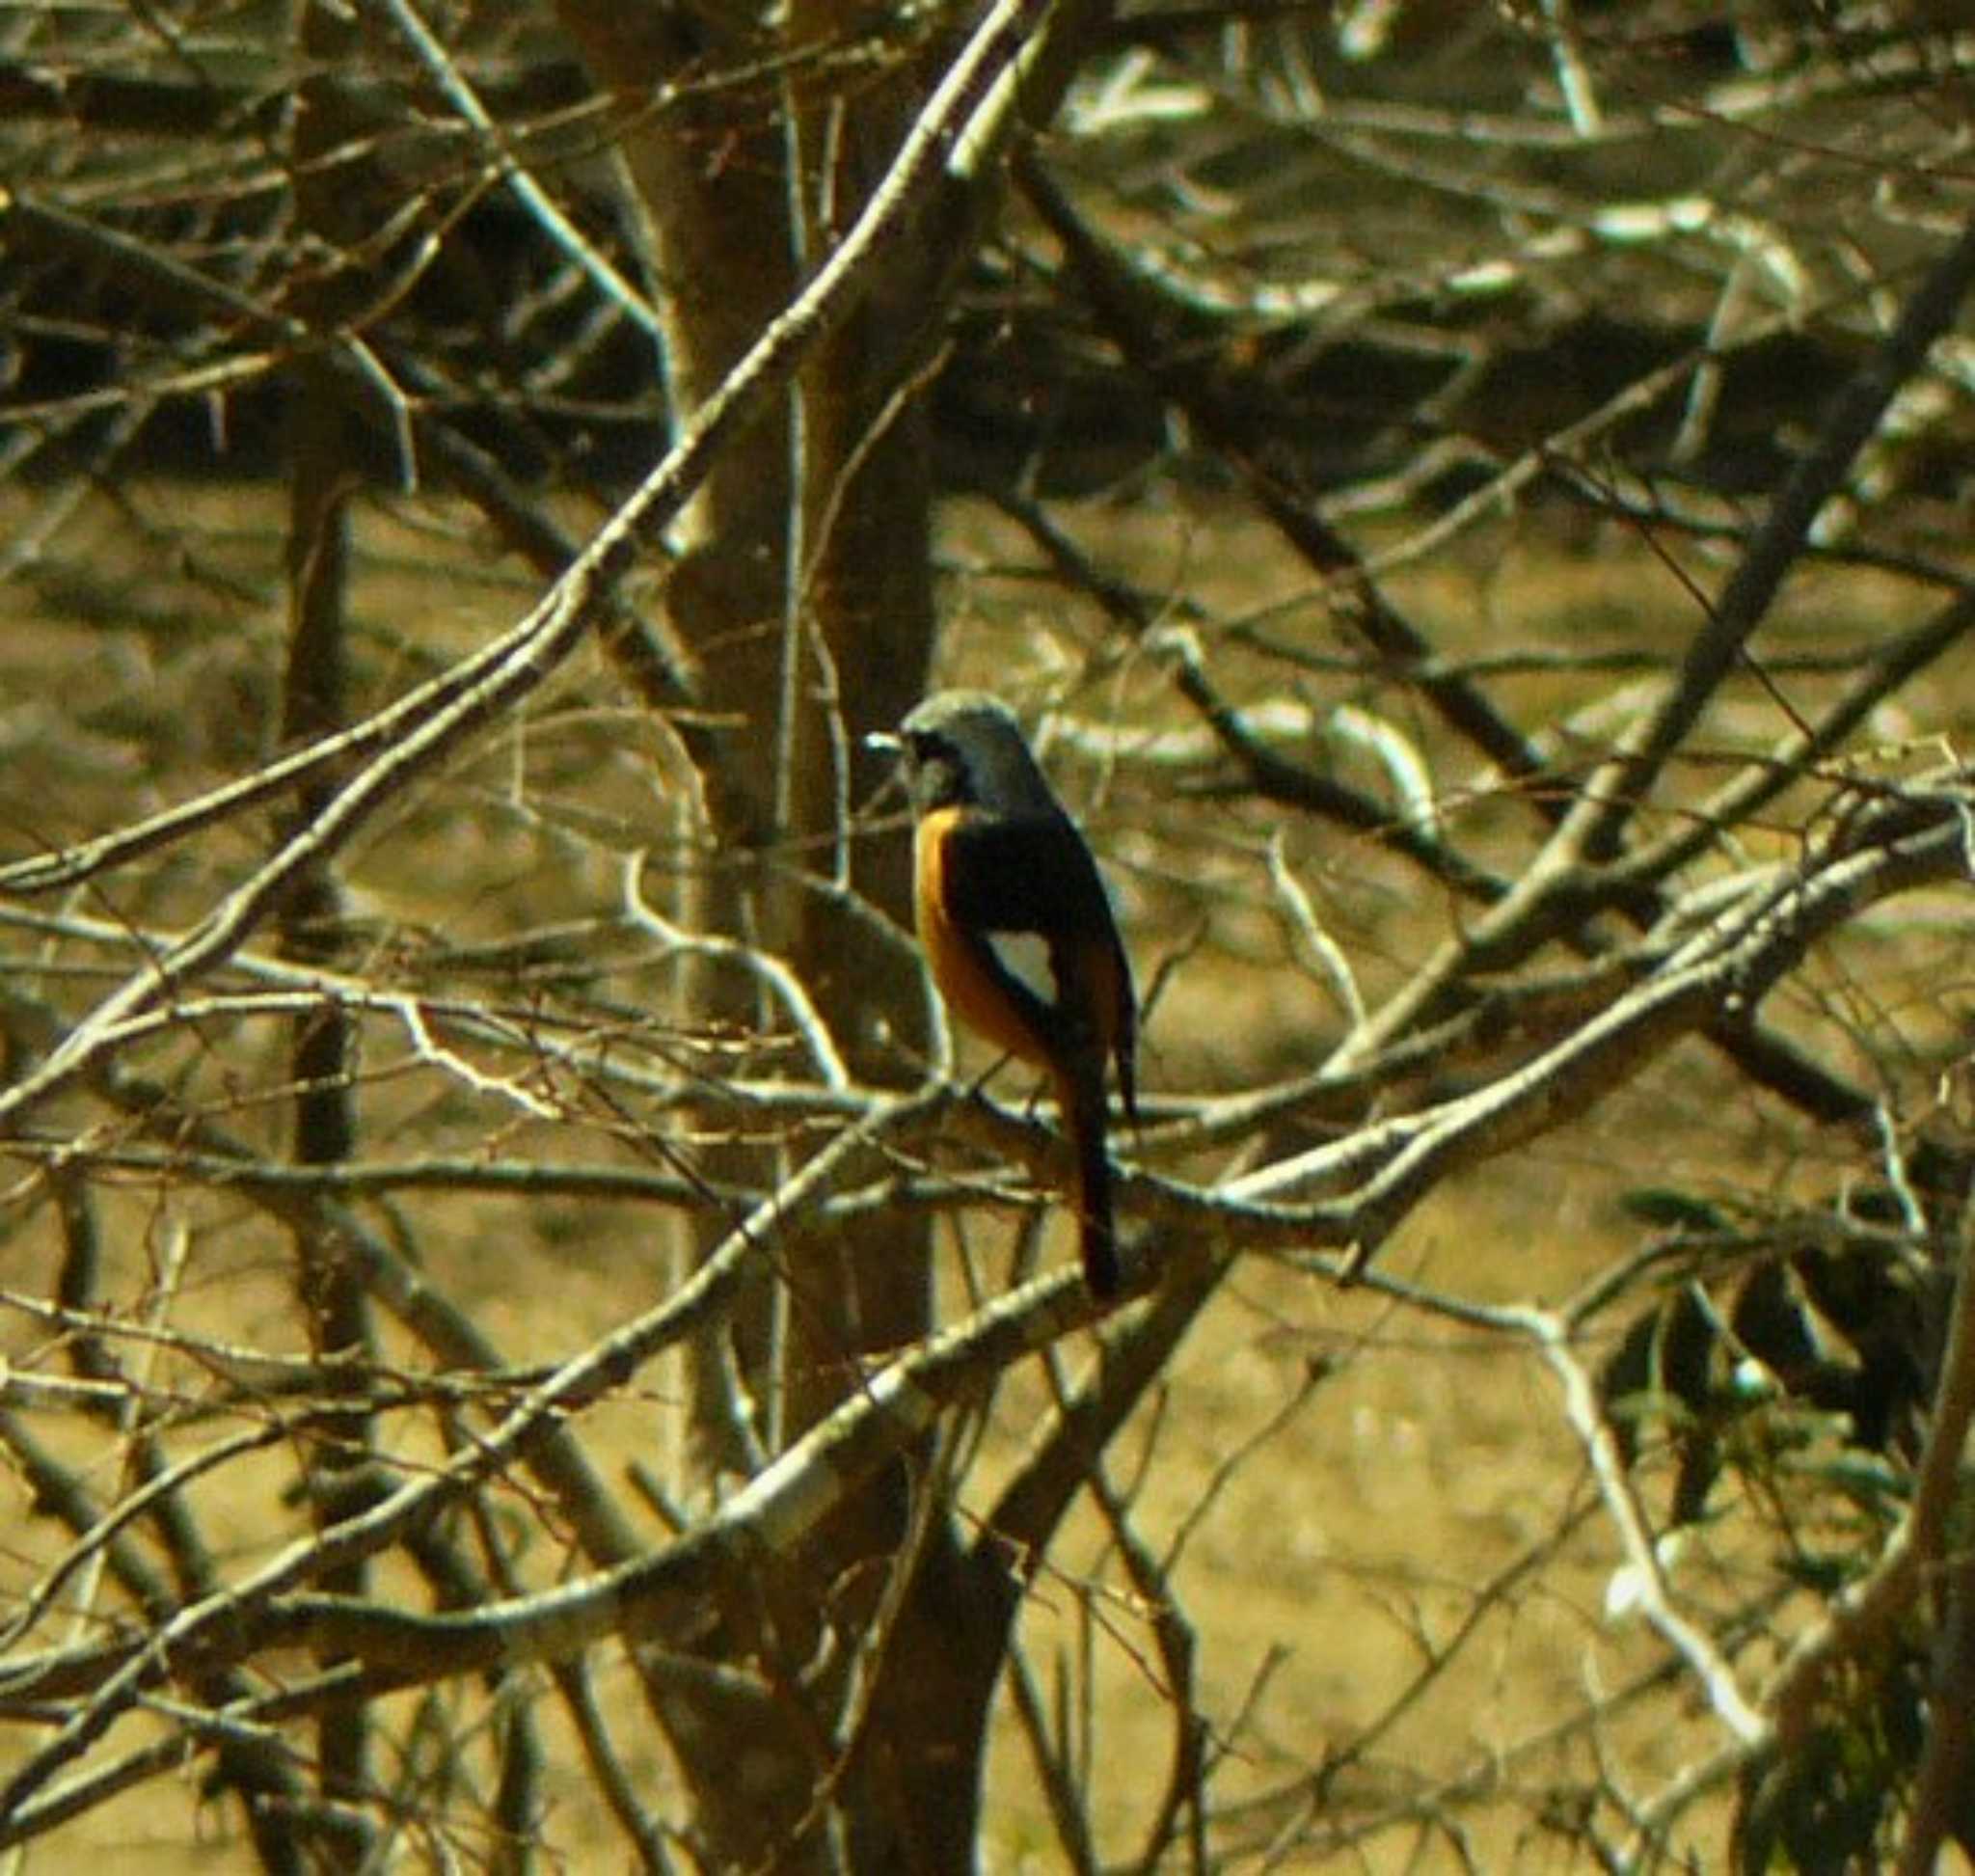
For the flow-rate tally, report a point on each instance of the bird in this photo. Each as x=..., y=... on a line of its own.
x=1017, y=929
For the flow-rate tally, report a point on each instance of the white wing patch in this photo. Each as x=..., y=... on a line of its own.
x=1025, y=957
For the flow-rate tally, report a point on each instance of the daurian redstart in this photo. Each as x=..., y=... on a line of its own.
x=1018, y=931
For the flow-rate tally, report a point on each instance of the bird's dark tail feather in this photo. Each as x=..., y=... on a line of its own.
x=1084, y=1111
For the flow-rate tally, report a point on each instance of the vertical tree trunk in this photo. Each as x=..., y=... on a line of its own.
x=849, y=631
x=806, y=594
x=322, y=475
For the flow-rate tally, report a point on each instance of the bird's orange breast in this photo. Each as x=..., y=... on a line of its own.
x=956, y=961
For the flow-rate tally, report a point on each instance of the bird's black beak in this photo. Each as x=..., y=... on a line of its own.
x=885, y=743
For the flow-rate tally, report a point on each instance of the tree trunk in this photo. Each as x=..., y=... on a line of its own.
x=794, y=669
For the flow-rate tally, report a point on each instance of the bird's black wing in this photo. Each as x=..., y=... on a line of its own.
x=1027, y=873
x=1009, y=875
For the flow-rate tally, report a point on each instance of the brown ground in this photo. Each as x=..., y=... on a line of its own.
x=1322, y=1567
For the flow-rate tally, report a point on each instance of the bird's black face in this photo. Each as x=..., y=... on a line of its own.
x=935, y=771
x=964, y=748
